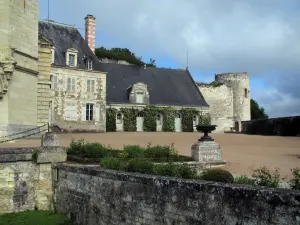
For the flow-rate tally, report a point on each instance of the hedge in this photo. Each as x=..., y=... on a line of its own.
x=285, y=126
x=150, y=113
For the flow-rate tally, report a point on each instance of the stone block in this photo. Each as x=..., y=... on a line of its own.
x=50, y=140
x=54, y=156
x=207, y=152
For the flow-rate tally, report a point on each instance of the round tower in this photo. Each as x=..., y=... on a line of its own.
x=240, y=85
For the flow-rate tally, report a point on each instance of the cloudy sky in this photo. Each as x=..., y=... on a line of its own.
x=261, y=37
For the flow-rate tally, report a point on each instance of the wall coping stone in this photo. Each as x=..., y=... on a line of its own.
x=273, y=196
x=25, y=154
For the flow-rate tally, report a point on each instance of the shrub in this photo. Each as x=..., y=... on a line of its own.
x=111, y=163
x=218, y=175
x=164, y=169
x=295, y=181
x=264, y=177
x=185, y=171
x=132, y=151
x=138, y=165
x=244, y=180
x=159, y=151
x=76, y=147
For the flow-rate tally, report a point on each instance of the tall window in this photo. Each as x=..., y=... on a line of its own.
x=71, y=60
x=246, y=93
x=89, y=64
x=158, y=118
x=71, y=84
x=71, y=112
x=89, y=112
x=139, y=97
x=90, y=86
x=54, y=81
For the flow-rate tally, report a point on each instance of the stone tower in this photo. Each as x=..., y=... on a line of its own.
x=240, y=85
x=90, y=29
x=18, y=65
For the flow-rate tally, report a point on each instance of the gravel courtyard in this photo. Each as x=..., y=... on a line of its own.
x=240, y=151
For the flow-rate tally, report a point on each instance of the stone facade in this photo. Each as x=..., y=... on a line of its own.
x=26, y=180
x=18, y=65
x=78, y=99
x=91, y=195
x=44, y=99
x=228, y=99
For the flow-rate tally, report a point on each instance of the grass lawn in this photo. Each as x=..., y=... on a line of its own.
x=33, y=218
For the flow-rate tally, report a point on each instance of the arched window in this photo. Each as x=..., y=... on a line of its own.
x=159, y=118
x=140, y=114
x=178, y=115
x=119, y=118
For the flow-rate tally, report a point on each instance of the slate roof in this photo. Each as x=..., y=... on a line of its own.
x=165, y=86
x=65, y=37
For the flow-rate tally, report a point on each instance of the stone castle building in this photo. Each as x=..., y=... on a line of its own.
x=50, y=74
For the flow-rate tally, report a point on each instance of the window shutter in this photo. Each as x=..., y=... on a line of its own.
x=83, y=112
x=97, y=113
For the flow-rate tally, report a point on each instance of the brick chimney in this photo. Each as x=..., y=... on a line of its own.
x=90, y=29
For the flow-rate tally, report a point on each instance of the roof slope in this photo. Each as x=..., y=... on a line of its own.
x=65, y=37
x=165, y=86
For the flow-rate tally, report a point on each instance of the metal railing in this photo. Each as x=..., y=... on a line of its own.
x=25, y=134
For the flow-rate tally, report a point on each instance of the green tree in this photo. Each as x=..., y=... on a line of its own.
x=257, y=112
x=122, y=54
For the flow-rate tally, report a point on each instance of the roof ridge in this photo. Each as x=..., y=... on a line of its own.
x=57, y=23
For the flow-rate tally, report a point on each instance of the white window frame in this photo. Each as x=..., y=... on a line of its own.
x=89, y=111
x=53, y=54
x=89, y=64
x=71, y=111
x=119, y=118
x=71, y=84
x=54, y=82
x=71, y=64
x=90, y=85
x=139, y=97
x=69, y=52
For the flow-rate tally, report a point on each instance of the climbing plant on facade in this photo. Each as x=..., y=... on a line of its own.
x=111, y=120
x=187, y=119
x=129, y=118
x=150, y=113
x=168, y=119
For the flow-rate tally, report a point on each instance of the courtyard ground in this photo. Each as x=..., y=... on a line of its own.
x=240, y=151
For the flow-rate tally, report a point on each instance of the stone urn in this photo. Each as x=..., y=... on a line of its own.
x=205, y=129
x=206, y=150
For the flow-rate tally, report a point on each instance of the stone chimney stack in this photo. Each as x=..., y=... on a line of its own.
x=90, y=29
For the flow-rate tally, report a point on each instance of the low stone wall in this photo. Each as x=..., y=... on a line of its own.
x=26, y=177
x=91, y=195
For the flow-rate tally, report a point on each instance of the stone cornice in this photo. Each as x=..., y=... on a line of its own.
x=7, y=67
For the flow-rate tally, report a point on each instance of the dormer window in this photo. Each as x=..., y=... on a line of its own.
x=140, y=97
x=53, y=54
x=71, y=57
x=89, y=64
x=71, y=60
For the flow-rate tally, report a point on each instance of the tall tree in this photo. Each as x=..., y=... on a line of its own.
x=257, y=112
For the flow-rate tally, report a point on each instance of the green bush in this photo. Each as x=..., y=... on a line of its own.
x=164, y=169
x=264, y=177
x=244, y=180
x=295, y=181
x=217, y=175
x=132, y=151
x=138, y=165
x=111, y=163
x=111, y=120
x=95, y=150
x=160, y=151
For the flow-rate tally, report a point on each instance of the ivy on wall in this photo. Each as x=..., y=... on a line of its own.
x=187, y=119
x=111, y=119
x=168, y=119
x=129, y=118
x=150, y=114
